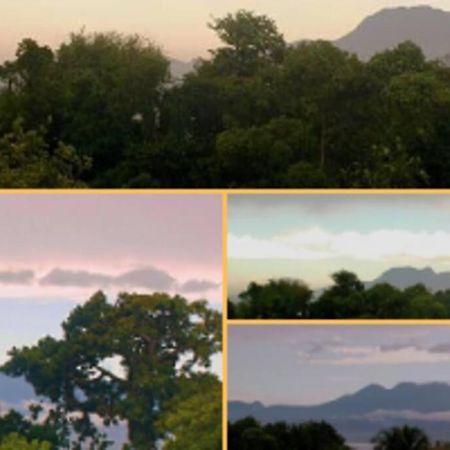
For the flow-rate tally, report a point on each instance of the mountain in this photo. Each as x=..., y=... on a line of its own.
x=426, y=26
x=360, y=415
x=180, y=68
x=403, y=277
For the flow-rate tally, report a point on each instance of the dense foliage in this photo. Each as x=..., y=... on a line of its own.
x=401, y=438
x=15, y=441
x=194, y=416
x=16, y=432
x=257, y=113
x=132, y=361
x=248, y=434
x=347, y=298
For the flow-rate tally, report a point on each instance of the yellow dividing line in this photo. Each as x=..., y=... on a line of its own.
x=222, y=191
x=224, y=320
x=340, y=322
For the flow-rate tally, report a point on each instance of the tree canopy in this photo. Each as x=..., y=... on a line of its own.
x=259, y=112
x=16, y=442
x=346, y=298
x=249, y=434
x=193, y=418
x=401, y=438
x=124, y=361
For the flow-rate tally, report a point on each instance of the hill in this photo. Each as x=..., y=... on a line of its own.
x=360, y=415
x=180, y=68
x=403, y=277
x=426, y=26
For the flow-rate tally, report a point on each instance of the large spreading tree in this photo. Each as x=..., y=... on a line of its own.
x=122, y=361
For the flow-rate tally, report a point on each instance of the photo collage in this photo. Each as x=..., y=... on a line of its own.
x=225, y=225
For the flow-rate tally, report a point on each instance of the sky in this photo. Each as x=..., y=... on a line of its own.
x=179, y=27
x=310, y=237
x=309, y=365
x=57, y=250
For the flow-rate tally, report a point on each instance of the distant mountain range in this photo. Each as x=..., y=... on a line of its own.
x=403, y=277
x=426, y=26
x=360, y=415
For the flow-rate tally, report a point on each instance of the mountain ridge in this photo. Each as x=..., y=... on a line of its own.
x=427, y=26
x=361, y=414
x=407, y=276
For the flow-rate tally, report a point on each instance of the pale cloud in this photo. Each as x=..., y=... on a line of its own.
x=440, y=416
x=319, y=244
x=349, y=355
x=146, y=277
x=249, y=247
x=149, y=277
x=16, y=277
x=441, y=348
x=78, y=278
x=399, y=346
x=193, y=285
x=344, y=353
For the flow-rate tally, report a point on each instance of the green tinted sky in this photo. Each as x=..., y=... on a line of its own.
x=310, y=237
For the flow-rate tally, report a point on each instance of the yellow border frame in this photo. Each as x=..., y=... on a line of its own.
x=225, y=321
x=300, y=322
x=225, y=194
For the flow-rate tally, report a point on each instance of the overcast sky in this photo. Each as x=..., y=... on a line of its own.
x=305, y=365
x=311, y=237
x=179, y=26
x=57, y=250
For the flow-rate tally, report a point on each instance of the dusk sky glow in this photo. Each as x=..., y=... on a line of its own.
x=180, y=28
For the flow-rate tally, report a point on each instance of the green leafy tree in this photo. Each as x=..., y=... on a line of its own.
x=317, y=84
x=277, y=299
x=259, y=156
x=401, y=438
x=406, y=57
x=16, y=442
x=112, y=94
x=193, y=418
x=251, y=40
x=26, y=161
x=31, y=429
x=121, y=361
x=248, y=434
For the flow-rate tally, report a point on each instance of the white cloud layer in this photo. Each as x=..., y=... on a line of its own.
x=440, y=416
x=318, y=244
x=375, y=355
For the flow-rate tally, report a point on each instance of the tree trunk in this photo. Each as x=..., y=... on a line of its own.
x=322, y=141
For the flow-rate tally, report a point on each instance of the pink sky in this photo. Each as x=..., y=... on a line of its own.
x=109, y=236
